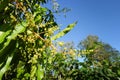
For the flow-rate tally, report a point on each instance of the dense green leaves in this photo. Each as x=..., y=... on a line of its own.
x=100, y=63
x=7, y=65
x=28, y=50
x=8, y=45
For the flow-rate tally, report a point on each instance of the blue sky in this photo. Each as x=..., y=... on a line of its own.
x=95, y=17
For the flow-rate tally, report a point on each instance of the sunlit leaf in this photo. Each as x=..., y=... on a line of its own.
x=6, y=66
x=40, y=72
x=63, y=32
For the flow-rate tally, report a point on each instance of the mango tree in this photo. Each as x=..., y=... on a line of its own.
x=26, y=39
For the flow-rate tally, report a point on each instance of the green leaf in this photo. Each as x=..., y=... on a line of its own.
x=18, y=29
x=6, y=66
x=118, y=71
x=7, y=50
x=65, y=31
x=33, y=71
x=5, y=30
x=6, y=46
x=40, y=72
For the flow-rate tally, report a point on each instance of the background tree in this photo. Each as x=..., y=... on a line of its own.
x=99, y=60
x=100, y=51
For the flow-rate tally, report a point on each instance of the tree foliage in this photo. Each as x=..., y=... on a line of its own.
x=100, y=51
x=100, y=59
x=29, y=50
x=26, y=48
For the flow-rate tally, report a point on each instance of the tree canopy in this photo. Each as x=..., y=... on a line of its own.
x=29, y=49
